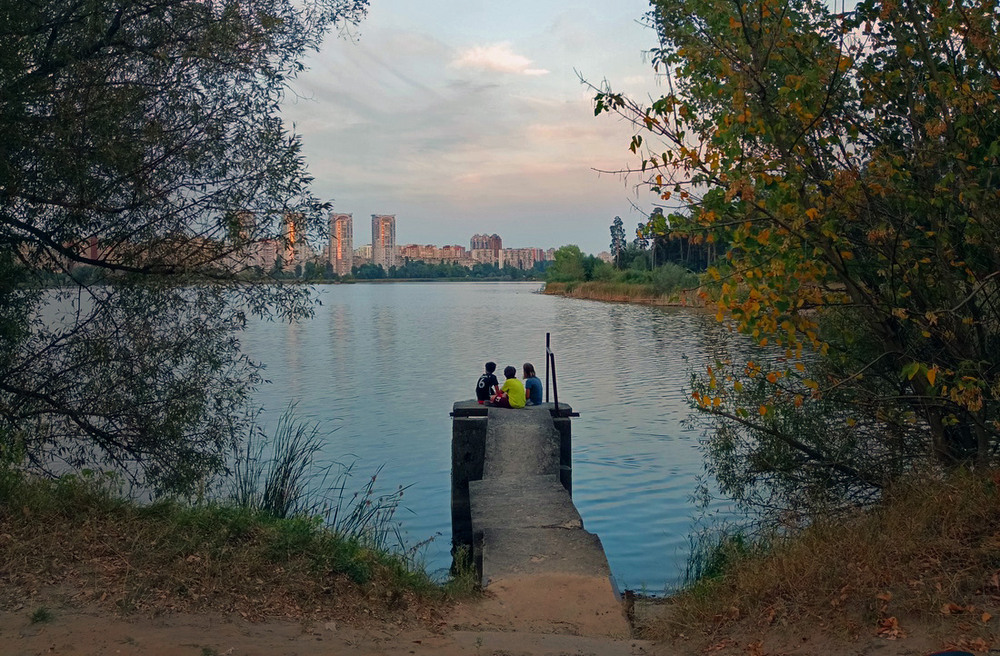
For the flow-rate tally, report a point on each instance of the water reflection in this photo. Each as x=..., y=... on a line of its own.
x=385, y=362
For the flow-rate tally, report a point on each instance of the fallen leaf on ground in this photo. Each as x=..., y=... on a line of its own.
x=977, y=644
x=889, y=629
x=719, y=646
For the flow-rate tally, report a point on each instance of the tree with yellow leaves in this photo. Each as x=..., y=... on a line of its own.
x=851, y=161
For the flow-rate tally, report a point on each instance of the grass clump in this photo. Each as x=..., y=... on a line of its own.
x=929, y=551
x=714, y=552
x=271, y=475
x=280, y=475
x=464, y=579
x=41, y=615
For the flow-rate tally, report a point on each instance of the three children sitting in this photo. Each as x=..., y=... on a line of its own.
x=512, y=393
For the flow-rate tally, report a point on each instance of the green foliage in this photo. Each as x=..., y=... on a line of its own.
x=484, y=270
x=464, y=579
x=41, y=615
x=618, y=241
x=636, y=276
x=601, y=270
x=847, y=161
x=672, y=278
x=369, y=271
x=571, y=266
x=716, y=551
x=568, y=265
x=144, y=159
x=312, y=271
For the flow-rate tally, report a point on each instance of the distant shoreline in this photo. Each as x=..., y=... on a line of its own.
x=613, y=292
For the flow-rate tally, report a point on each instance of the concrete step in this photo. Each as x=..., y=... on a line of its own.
x=528, y=502
x=510, y=552
x=522, y=442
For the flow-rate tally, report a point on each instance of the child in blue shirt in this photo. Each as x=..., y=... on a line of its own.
x=532, y=386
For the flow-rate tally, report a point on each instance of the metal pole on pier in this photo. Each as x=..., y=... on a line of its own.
x=547, y=351
x=550, y=363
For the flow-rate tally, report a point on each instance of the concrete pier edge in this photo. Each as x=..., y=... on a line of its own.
x=512, y=507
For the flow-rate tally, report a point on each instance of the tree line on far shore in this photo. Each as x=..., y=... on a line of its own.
x=660, y=264
x=409, y=270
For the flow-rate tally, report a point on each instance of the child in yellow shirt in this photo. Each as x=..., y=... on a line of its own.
x=511, y=392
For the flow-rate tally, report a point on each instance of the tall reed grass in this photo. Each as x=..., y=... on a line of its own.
x=282, y=475
x=271, y=473
x=622, y=292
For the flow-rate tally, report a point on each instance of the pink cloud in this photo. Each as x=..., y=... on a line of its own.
x=497, y=58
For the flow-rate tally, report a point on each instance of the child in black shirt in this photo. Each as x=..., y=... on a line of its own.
x=488, y=385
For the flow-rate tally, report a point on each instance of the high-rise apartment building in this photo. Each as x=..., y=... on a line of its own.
x=245, y=227
x=431, y=254
x=267, y=254
x=384, y=240
x=487, y=249
x=486, y=242
x=520, y=258
x=293, y=242
x=341, y=249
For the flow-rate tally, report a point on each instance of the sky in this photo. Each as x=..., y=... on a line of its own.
x=470, y=117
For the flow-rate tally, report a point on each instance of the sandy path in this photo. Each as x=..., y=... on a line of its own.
x=472, y=629
x=515, y=619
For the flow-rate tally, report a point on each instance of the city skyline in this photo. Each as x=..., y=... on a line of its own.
x=292, y=251
x=385, y=252
x=466, y=241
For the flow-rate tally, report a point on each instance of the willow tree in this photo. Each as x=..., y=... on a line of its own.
x=142, y=158
x=850, y=162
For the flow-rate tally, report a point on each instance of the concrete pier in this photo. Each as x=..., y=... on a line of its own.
x=511, y=504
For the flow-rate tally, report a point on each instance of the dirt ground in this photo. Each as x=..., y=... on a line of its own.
x=514, y=619
x=509, y=622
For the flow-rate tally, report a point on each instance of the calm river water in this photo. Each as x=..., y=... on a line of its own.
x=383, y=363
